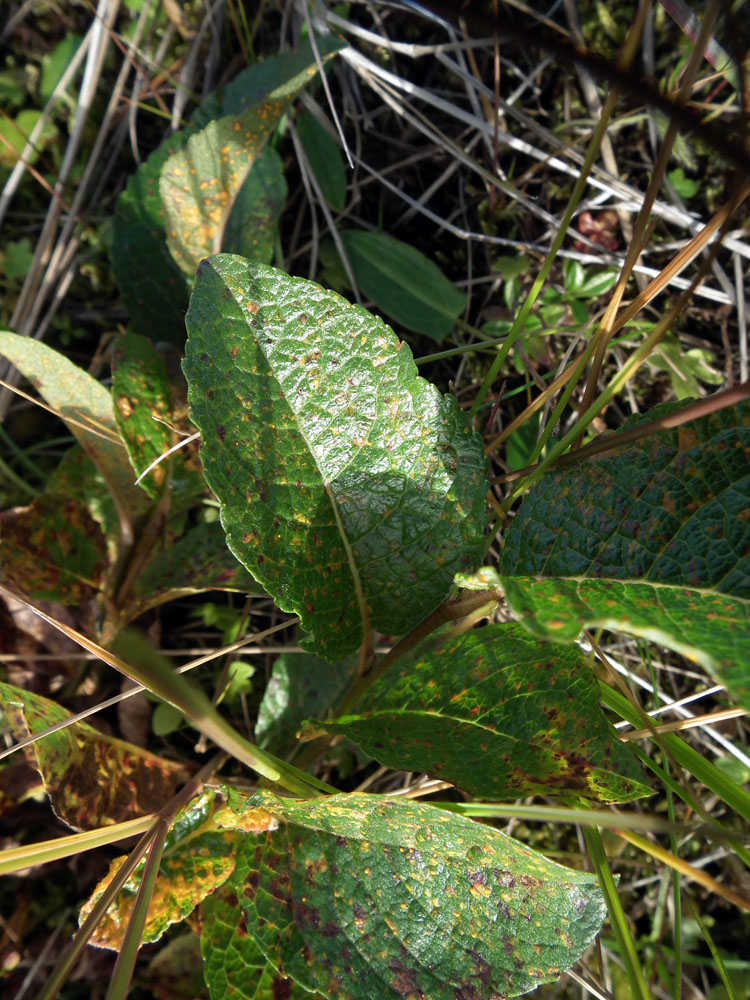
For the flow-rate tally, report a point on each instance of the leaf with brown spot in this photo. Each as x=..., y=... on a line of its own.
x=77, y=477
x=142, y=400
x=349, y=486
x=91, y=779
x=358, y=896
x=234, y=966
x=200, y=183
x=52, y=550
x=197, y=858
x=252, y=226
x=499, y=714
x=154, y=290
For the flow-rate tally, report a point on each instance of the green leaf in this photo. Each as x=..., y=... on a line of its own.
x=686, y=369
x=55, y=64
x=13, y=87
x=198, y=561
x=324, y=157
x=234, y=966
x=683, y=185
x=348, y=486
x=580, y=312
x=498, y=714
x=53, y=550
x=91, y=779
x=278, y=76
x=406, y=285
x=197, y=858
x=14, y=134
x=252, y=227
x=17, y=258
x=141, y=393
x=574, y=275
x=522, y=442
x=239, y=680
x=302, y=686
x=357, y=896
x=176, y=970
x=597, y=283
x=652, y=539
x=154, y=290
x=511, y=267
x=166, y=719
x=200, y=183
x=76, y=396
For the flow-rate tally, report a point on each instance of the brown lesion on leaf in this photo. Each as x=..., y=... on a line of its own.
x=281, y=988
x=405, y=981
x=125, y=406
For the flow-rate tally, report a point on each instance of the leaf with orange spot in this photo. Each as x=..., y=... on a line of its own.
x=83, y=403
x=358, y=896
x=499, y=714
x=252, y=226
x=154, y=290
x=92, y=780
x=652, y=538
x=196, y=859
x=142, y=399
x=200, y=183
x=350, y=488
x=52, y=550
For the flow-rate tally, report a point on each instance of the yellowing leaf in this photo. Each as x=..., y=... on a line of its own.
x=201, y=182
x=197, y=858
x=91, y=779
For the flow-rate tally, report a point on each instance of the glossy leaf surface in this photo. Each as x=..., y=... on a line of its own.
x=80, y=400
x=409, y=287
x=91, y=779
x=653, y=539
x=52, y=550
x=499, y=714
x=357, y=896
x=197, y=858
x=200, y=183
x=349, y=487
x=302, y=686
